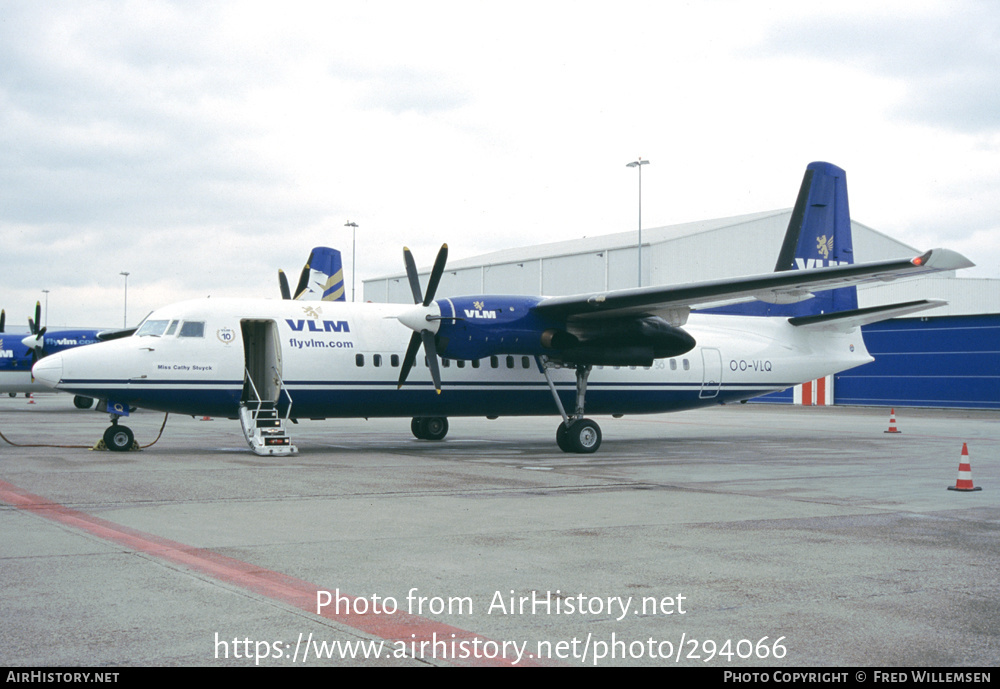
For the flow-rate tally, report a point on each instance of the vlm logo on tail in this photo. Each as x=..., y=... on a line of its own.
x=818, y=236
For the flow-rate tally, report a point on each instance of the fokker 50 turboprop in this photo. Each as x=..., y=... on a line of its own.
x=629, y=351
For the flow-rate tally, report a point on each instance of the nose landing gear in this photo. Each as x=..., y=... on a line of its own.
x=118, y=438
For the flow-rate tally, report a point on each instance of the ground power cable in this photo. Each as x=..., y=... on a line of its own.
x=83, y=447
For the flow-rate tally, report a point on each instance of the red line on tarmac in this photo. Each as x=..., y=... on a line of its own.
x=403, y=627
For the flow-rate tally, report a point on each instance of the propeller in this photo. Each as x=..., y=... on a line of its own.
x=3, y=319
x=35, y=341
x=303, y=281
x=424, y=318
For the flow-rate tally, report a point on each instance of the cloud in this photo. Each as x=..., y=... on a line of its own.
x=946, y=55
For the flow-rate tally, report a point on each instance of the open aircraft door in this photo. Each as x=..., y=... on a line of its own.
x=262, y=352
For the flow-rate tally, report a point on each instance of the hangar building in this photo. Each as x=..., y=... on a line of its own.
x=945, y=357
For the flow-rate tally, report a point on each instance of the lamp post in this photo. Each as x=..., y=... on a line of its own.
x=354, y=237
x=639, y=163
x=125, y=316
x=46, y=292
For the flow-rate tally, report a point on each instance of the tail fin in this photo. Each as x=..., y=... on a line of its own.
x=326, y=276
x=818, y=235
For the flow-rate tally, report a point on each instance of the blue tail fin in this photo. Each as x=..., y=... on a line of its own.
x=818, y=235
x=326, y=276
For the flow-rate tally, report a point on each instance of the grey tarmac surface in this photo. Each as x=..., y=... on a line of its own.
x=803, y=531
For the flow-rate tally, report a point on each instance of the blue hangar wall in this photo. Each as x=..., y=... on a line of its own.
x=947, y=361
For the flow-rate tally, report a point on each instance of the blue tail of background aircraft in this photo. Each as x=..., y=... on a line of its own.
x=322, y=277
x=327, y=275
x=818, y=235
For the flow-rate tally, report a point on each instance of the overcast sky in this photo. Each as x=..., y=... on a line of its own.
x=201, y=146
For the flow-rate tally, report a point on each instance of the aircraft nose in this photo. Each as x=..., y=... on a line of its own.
x=48, y=371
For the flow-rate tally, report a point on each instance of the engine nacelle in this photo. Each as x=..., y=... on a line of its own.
x=480, y=326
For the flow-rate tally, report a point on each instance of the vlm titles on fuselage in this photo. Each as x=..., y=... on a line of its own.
x=631, y=351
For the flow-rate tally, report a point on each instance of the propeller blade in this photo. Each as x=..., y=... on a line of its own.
x=303, y=280
x=38, y=317
x=3, y=319
x=432, y=358
x=436, y=272
x=410, y=358
x=283, y=285
x=411, y=275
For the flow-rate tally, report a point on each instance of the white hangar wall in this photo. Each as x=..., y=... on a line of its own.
x=703, y=250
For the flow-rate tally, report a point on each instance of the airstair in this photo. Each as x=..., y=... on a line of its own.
x=262, y=423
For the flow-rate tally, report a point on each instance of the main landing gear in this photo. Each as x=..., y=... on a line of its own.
x=118, y=438
x=429, y=427
x=575, y=433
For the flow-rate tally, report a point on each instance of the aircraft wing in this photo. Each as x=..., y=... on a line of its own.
x=783, y=287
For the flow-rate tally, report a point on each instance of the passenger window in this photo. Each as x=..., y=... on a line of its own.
x=510, y=361
x=460, y=363
x=475, y=363
x=494, y=362
x=376, y=359
x=394, y=361
x=192, y=329
x=359, y=360
x=673, y=364
x=687, y=365
x=525, y=362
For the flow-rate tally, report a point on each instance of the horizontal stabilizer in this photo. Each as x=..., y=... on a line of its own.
x=845, y=321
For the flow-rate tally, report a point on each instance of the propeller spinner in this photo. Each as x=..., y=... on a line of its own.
x=424, y=318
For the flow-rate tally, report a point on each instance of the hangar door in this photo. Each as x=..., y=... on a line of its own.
x=948, y=361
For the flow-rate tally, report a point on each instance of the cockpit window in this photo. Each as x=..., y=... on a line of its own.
x=172, y=328
x=154, y=328
x=192, y=329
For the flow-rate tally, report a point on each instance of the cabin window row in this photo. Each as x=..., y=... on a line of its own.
x=509, y=361
x=377, y=360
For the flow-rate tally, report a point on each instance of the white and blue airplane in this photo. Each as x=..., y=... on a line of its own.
x=630, y=351
x=20, y=351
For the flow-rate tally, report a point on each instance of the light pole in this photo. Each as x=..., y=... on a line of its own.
x=46, y=292
x=639, y=163
x=354, y=237
x=125, y=316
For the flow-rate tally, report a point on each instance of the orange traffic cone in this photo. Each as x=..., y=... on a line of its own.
x=31, y=400
x=892, y=423
x=964, y=482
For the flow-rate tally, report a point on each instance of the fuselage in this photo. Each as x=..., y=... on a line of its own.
x=340, y=359
x=16, y=356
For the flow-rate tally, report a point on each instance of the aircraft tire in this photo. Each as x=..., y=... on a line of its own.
x=561, y=438
x=435, y=428
x=81, y=402
x=119, y=438
x=417, y=427
x=583, y=436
